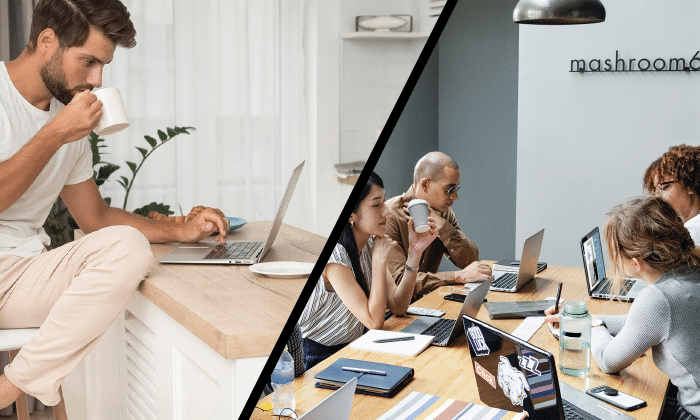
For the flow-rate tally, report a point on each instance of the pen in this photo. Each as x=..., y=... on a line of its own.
x=389, y=340
x=556, y=304
x=367, y=371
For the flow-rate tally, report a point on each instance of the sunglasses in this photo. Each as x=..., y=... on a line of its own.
x=451, y=190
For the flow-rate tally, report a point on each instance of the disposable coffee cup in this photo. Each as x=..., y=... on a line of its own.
x=419, y=211
x=114, y=117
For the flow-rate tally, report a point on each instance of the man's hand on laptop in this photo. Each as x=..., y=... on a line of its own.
x=208, y=221
x=475, y=271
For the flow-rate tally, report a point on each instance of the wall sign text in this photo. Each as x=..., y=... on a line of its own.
x=618, y=64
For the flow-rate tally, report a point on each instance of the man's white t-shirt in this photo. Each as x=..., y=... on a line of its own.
x=21, y=231
x=693, y=226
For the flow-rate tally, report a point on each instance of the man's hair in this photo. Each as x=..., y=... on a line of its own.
x=71, y=20
x=432, y=166
x=682, y=163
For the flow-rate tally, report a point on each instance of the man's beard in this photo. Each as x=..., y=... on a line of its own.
x=55, y=79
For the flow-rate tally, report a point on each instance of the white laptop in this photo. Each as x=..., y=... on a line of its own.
x=335, y=406
x=512, y=282
x=597, y=283
x=234, y=252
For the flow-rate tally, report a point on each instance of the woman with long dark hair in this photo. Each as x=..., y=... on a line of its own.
x=355, y=290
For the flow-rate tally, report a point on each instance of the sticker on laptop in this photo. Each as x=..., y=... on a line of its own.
x=485, y=374
x=477, y=340
x=530, y=364
x=512, y=381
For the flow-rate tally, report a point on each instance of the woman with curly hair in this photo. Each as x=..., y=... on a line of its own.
x=675, y=177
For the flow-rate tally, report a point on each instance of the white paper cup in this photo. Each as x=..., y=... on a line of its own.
x=419, y=211
x=114, y=117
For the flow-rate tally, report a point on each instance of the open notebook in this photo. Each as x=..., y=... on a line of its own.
x=406, y=348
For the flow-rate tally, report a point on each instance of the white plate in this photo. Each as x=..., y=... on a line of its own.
x=283, y=269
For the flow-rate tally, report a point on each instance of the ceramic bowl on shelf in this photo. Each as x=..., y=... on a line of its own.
x=382, y=23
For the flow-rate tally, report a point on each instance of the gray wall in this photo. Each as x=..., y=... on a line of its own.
x=415, y=133
x=474, y=85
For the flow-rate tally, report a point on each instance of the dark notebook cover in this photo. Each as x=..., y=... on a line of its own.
x=396, y=377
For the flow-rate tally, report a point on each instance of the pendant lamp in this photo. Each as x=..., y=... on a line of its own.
x=559, y=12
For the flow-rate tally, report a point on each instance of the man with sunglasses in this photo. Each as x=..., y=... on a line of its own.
x=435, y=180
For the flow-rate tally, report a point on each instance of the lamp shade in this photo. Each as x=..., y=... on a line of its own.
x=559, y=12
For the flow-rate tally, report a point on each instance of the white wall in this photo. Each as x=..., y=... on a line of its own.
x=584, y=140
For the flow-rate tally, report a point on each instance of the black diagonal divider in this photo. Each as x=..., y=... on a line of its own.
x=347, y=210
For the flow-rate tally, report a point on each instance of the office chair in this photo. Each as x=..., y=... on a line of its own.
x=12, y=340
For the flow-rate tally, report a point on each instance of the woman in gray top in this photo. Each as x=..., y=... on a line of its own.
x=646, y=239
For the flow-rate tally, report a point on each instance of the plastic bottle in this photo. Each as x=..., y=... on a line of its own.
x=283, y=385
x=575, y=340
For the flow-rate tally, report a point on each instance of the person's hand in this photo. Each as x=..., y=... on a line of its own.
x=551, y=316
x=417, y=242
x=381, y=246
x=439, y=220
x=77, y=119
x=204, y=224
x=475, y=271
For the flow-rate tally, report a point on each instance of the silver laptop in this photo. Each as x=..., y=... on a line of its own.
x=514, y=375
x=234, y=252
x=512, y=282
x=335, y=406
x=445, y=330
x=597, y=283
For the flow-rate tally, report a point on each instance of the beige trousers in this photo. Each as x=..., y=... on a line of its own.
x=73, y=293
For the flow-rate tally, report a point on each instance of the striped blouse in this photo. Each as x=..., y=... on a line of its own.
x=326, y=319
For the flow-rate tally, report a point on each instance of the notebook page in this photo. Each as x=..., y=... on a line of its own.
x=407, y=348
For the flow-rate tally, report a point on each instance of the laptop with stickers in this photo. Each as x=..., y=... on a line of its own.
x=514, y=375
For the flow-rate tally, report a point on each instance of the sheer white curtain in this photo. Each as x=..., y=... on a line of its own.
x=234, y=70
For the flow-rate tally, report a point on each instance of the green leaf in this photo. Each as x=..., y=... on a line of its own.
x=104, y=172
x=143, y=151
x=108, y=200
x=157, y=207
x=171, y=132
x=131, y=166
x=124, y=182
x=162, y=135
x=151, y=141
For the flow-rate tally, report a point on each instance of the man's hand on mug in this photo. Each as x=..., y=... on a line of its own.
x=77, y=119
x=475, y=271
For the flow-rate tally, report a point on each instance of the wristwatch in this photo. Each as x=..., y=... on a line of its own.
x=598, y=323
x=409, y=268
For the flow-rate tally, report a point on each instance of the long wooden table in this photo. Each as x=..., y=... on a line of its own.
x=448, y=371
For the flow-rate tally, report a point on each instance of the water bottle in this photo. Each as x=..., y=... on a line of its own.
x=575, y=340
x=283, y=385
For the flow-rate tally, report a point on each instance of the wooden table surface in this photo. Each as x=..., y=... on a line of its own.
x=234, y=311
x=448, y=371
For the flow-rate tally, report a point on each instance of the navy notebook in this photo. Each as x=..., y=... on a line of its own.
x=333, y=377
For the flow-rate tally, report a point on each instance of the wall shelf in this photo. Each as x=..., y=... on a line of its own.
x=385, y=35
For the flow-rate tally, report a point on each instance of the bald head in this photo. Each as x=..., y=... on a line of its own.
x=432, y=166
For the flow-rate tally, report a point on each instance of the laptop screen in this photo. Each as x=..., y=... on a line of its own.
x=592, y=252
x=512, y=374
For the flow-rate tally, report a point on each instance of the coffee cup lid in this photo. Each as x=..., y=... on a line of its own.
x=417, y=201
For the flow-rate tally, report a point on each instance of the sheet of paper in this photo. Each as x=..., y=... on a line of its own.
x=407, y=348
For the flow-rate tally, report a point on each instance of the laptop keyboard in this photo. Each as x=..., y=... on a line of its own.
x=237, y=250
x=506, y=281
x=626, y=286
x=441, y=330
x=571, y=412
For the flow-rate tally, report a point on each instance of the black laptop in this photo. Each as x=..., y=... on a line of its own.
x=598, y=284
x=514, y=375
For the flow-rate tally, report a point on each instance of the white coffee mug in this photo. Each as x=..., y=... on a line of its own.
x=419, y=211
x=114, y=117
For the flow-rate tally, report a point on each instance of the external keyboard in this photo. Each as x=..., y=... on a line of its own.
x=441, y=330
x=234, y=251
x=506, y=281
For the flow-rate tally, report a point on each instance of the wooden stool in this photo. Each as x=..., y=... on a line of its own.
x=12, y=340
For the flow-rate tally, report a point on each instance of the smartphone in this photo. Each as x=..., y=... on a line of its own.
x=616, y=398
x=457, y=297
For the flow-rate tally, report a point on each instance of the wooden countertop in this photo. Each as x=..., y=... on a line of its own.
x=234, y=311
